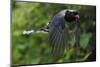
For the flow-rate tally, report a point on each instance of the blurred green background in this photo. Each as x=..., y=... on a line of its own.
x=34, y=49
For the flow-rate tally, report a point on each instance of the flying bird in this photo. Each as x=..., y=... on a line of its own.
x=58, y=31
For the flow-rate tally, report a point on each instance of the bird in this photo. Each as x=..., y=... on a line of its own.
x=58, y=31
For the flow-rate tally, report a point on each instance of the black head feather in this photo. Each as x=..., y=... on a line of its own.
x=70, y=15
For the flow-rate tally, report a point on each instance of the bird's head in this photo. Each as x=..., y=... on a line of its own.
x=71, y=15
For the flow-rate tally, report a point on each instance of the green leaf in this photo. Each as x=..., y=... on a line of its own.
x=84, y=39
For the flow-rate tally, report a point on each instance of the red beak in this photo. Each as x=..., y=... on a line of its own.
x=77, y=17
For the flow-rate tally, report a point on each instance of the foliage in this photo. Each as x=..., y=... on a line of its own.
x=34, y=49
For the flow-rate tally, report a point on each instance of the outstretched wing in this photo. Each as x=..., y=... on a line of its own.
x=58, y=36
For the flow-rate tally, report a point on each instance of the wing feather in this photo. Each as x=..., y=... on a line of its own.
x=58, y=36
